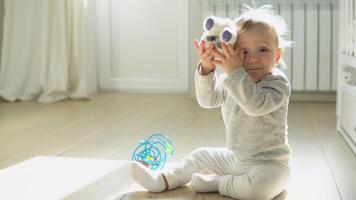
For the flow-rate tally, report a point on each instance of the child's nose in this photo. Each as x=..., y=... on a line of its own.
x=253, y=59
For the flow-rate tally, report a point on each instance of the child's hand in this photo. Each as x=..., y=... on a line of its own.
x=206, y=57
x=229, y=60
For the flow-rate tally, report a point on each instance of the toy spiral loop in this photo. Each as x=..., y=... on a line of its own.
x=153, y=151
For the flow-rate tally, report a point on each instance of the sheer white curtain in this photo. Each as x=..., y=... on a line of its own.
x=44, y=51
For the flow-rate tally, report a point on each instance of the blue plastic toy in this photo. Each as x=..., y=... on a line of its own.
x=153, y=151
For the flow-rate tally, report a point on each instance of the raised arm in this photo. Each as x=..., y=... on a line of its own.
x=257, y=99
x=209, y=90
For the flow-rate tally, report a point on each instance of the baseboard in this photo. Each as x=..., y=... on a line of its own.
x=348, y=139
x=295, y=96
x=313, y=96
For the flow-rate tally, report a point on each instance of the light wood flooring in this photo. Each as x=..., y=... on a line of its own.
x=110, y=125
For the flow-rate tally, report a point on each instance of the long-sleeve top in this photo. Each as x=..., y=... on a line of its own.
x=254, y=114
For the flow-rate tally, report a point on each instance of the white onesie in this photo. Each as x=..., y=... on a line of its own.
x=255, y=162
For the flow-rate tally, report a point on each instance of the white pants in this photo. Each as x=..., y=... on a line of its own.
x=243, y=180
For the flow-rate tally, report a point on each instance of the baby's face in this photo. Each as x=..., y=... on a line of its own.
x=259, y=50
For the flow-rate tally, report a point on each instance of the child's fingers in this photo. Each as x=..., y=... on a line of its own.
x=196, y=45
x=202, y=47
x=228, y=49
x=231, y=49
x=225, y=49
x=210, y=57
x=199, y=47
x=208, y=50
x=217, y=62
x=206, y=54
x=219, y=55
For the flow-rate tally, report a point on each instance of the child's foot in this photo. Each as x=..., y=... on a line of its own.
x=205, y=183
x=147, y=178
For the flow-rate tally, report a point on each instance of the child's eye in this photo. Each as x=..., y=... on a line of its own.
x=263, y=49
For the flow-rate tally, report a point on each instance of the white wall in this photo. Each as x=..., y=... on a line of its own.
x=143, y=45
x=1, y=22
x=195, y=31
x=130, y=46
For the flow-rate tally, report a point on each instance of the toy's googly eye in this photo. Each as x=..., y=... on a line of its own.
x=211, y=38
x=209, y=24
x=226, y=36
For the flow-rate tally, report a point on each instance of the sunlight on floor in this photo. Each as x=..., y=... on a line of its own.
x=62, y=178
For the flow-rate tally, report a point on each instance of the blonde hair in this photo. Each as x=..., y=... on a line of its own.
x=265, y=17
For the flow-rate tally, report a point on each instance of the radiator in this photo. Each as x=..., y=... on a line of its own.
x=348, y=46
x=313, y=25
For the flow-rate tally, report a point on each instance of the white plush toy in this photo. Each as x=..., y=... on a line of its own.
x=217, y=30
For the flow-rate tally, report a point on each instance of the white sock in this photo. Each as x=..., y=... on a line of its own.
x=147, y=178
x=205, y=183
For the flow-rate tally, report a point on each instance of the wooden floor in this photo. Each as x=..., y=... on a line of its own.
x=111, y=125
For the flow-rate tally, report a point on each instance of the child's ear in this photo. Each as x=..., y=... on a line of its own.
x=279, y=53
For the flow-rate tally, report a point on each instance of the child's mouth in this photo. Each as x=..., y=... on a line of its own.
x=252, y=68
